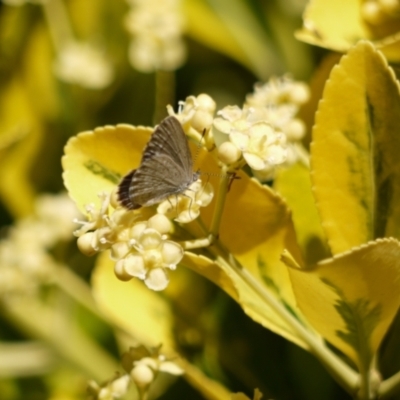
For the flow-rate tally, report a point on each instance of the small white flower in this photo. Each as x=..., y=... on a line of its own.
x=261, y=146
x=228, y=153
x=150, y=257
x=96, y=219
x=142, y=375
x=197, y=112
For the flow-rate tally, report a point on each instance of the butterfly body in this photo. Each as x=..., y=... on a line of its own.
x=166, y=168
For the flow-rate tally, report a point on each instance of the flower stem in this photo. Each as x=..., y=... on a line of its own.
x=219, y=203
x=62, y=334
x=76, y=288
x=164, y=93
x=58, y=22
x=340, y=371
x=389, y=387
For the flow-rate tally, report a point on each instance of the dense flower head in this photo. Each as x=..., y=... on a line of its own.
x=84, y=65
x=277, y=102
x=138, y=241
x=25, y=263
x=278, y=91
x=265, y=131
x=261, y=145
x=148, y=257
x=156, y=29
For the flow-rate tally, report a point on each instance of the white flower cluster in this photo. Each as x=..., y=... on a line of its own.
x=250, y=137
x=139, y=243
x=25, y=263
x=84, y=65
x=156, y=28
x=265, y=133
x=142, y=366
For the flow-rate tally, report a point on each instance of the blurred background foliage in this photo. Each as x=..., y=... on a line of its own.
x=45, y=98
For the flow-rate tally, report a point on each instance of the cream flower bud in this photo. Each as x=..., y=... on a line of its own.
x=372, y=12
x=206, y=103
x=120, y=272
x=299, y=93
x=142, y=375
x=295, y=129
x=85, y=244
x=201, y=120
x=160, y=223
x=228, y=153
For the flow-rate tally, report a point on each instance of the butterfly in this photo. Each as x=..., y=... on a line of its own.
x=166, y=168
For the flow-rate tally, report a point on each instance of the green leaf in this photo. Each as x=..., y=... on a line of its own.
x=321, y=25
x=148, y=318
x=230, y=27
x=354, y=153
x=132, y=306
x=95, y=161
x=352, y=299
x=21, y=134
x=294, y=184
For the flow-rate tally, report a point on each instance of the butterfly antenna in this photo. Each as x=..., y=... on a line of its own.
x=199, y=146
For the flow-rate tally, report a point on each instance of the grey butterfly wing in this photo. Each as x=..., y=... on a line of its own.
x=166, y=168
x=156, y=179
x=170, y=139
x=124, y=189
